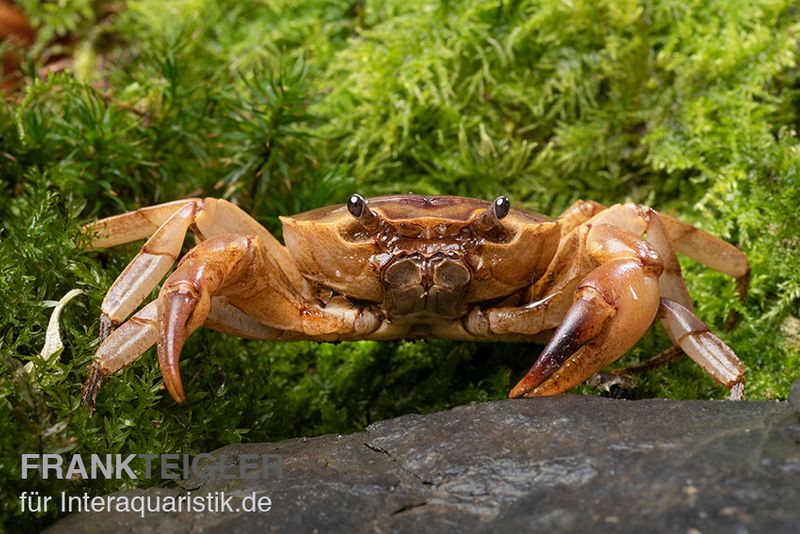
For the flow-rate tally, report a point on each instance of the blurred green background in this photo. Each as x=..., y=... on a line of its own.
x=282, y=106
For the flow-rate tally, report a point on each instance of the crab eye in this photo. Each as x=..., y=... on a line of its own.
x=358, y=208
x=356, y=205
x=501, y=206
x=488, y=222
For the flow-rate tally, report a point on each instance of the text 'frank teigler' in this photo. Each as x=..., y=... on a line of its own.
x=167, y=466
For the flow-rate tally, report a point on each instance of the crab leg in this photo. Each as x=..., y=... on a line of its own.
x=122, y=347
x=132, y=226
x=167, y=225
x=243, y=271
x=140, y=332
x=146, y=270
x=706, y=349
x=709, y=250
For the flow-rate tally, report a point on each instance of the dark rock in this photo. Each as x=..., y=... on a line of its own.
x=567, y=464
x=794, y=395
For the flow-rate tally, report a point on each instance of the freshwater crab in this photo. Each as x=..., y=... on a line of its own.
x=589, y=283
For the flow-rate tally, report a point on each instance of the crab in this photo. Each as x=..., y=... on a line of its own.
x=588, y=284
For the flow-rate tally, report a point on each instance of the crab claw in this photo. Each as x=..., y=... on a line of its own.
x=177, y=306
x=615, y=304
x=185, y=299
x=584, y=321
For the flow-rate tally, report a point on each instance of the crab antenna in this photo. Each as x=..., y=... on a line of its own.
x=491, y=217
x=358, y=208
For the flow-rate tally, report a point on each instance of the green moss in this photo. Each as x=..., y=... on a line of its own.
x=285, y=106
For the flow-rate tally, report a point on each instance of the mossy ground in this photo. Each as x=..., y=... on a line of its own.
x=691, y=107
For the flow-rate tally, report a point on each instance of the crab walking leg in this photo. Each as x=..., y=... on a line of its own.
x=706, y=349
x=614, y=305
x=709, y=250
x=136, y=335
x=241, y=269
x=212, y=216
x=207, y=217
x=146, y=270
x=122, y=347
x=132, y=226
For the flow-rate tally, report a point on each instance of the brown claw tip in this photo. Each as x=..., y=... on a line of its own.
x=178, y=396
x=106, y=328
x=524, y=388
x=173, y=383
x=516, y=392
x=179, y=303
x=91, y=386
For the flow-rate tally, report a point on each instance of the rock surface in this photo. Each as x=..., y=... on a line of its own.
x=567, y=464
